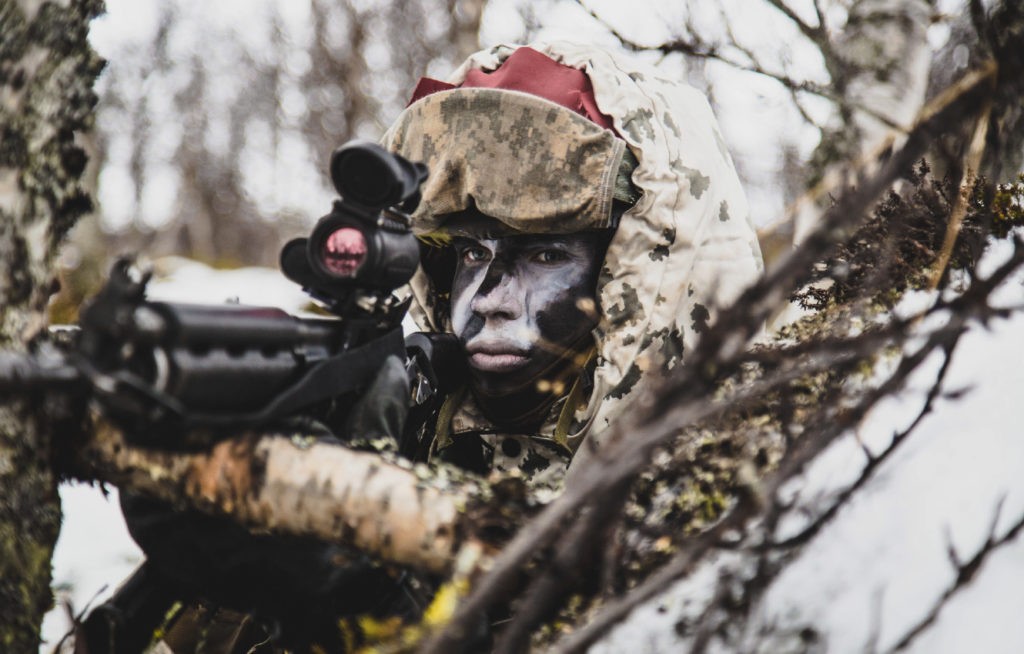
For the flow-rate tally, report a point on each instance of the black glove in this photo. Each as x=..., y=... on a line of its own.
x=384, y=406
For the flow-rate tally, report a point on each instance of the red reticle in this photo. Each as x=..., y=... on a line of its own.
x=344, y=251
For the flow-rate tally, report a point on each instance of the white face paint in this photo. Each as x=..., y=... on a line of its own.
x=521, y=303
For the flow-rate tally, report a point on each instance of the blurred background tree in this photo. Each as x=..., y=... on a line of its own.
x=854, y=73
x=215, y=123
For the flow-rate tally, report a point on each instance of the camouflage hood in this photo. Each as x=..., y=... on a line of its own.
x=686, y=246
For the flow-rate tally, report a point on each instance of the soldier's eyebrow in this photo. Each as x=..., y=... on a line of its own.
x=576, y=242
x=459, y=242
x=544, y=239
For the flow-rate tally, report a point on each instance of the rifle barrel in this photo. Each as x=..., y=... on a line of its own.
x=22, y=372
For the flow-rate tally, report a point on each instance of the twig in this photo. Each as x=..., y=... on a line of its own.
x=815, y=34
x=794, y=95
x=562, y=574
x=680, y=565
x=874, y=461
x=965, y=573
x=705, y=623
x=956, y=218
x=822, y=22
x=697, y=47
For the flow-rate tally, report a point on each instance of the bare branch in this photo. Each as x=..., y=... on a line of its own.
x=794, y=95
x=680, y=565
x=815, y=33
x=803, y=452
x=560, y=576
x=822, y=22
x=965, y=573
x=874, y=460
x=394, y=512
x=972, y=164
x=694, y=46
x=682, y=400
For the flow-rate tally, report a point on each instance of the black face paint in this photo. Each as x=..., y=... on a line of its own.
x=523, y=307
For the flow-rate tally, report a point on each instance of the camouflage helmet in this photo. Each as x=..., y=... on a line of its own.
x=524, y=144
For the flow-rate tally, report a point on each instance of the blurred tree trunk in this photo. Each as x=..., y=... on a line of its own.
x=47, y=72
x=977, y=36
x=465, y=26
x=883, y=74
x=879, y=70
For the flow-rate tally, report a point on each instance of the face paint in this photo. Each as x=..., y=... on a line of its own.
x=522, y=304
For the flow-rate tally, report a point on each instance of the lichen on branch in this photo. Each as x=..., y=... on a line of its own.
x=47, y=70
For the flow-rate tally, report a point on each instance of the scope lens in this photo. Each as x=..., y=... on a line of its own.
x=344, y=251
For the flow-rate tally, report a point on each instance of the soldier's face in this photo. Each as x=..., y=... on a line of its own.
x=520, y=304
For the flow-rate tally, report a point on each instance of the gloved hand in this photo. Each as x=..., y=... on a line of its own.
x=383, y=408
x=285, y=577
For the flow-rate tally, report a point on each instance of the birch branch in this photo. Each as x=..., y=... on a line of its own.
x=397, y=512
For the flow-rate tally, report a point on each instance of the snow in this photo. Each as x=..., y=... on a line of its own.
x=182, y=280
x=93, y=554
x=881, y=565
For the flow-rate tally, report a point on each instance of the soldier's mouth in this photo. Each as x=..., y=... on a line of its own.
x=496, y=358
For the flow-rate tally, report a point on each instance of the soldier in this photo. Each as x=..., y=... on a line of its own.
x=586, y=218
x=581, y=220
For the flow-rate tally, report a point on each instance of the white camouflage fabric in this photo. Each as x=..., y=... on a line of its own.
x=686, y=246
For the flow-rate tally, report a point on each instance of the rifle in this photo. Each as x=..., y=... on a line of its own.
x=176, y=376
x=172, y=374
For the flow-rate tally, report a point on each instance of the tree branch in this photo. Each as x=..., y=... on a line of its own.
x=398, y=513
x=659, y=414
x=815, y=34
x=820, y=14
x=873, y=461
x=803, y=451
x=965, y=573
x=694, y=46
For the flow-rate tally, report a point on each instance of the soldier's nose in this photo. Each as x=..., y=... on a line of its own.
x=502, y=298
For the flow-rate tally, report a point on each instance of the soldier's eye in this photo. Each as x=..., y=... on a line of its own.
x=550, y=256
x=475, y=254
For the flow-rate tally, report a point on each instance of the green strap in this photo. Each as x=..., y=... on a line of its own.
x=443, y=431
x=572, y=402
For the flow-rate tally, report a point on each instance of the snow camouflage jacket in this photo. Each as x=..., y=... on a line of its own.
x=685, y=247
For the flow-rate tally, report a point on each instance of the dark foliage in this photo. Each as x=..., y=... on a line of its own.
x=894, y=250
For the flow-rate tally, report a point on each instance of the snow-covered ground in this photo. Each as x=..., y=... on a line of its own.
x=881, y=565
